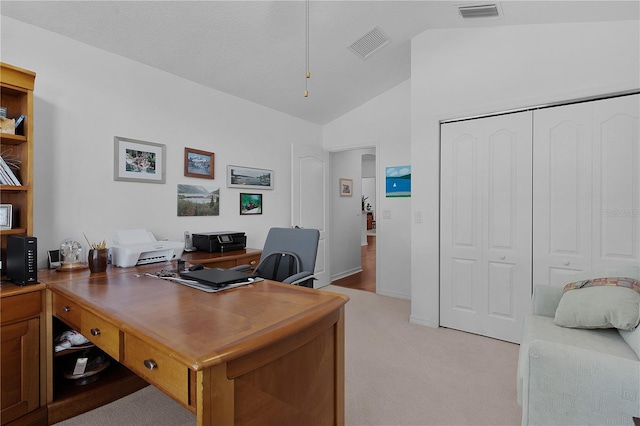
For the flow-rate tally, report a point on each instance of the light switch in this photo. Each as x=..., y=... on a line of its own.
x=418, y=217
x=386, y=214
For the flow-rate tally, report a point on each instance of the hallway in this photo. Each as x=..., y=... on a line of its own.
x=365, y=280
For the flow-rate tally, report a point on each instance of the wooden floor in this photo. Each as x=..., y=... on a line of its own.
x=365, y=280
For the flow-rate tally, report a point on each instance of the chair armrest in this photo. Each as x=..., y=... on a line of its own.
x=563, y=384
x=546, y=299
x=241, y=268
x=295, y=279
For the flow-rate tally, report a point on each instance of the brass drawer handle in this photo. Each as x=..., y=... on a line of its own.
x=150, y=364
x=95, y=331
x=66, y=309
x=253, y=262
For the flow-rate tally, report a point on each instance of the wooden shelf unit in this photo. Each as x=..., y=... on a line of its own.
x=16, y=94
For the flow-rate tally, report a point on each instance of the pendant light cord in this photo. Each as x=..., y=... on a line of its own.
x=308, y=73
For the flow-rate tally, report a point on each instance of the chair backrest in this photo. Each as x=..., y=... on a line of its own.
x=300, y=246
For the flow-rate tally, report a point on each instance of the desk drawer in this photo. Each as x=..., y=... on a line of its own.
x=23, y=306
x=67, y=311
x=250, y=260
x=157, y=368
x=102, y=333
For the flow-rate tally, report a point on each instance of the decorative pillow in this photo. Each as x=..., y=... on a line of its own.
x=600, y=303
x=632, y=338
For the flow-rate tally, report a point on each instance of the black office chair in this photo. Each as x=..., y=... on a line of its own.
x=288, y=256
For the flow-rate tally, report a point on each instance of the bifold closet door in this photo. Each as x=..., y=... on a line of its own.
x=562, y=192
x=586, y=188
x=485, y=228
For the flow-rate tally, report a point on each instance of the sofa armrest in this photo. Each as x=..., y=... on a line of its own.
x=546, y=299
x=563, y=384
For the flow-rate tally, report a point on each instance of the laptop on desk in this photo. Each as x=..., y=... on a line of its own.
x=216, y=277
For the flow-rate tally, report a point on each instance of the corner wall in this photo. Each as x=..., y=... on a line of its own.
x=85, y=96
x=464, y=72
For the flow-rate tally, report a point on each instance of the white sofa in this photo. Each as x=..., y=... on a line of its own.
x=571, y=376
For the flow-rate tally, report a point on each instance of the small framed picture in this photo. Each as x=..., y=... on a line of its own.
x=6, y=214
x=248, y=177
x=250, y=204
x=198, y=163
x=138, y=161
x=346, y=187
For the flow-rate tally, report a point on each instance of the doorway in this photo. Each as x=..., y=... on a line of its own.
x=355, y=236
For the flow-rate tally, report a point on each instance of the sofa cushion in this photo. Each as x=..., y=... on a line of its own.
x=600, y=303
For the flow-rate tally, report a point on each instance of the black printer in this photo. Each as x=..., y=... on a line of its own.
x=222, y=242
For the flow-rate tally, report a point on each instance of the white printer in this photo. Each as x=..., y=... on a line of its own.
x=139, y=247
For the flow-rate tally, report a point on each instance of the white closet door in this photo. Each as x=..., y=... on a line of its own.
x=486, y=225
x=586, y=188
x=562, y=192
x=616, y=182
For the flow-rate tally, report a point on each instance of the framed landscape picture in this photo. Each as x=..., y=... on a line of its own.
x=250, y=204
x=198, y=163
x=138, y=161
x=248, y=177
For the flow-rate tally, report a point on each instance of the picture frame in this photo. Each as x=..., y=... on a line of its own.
x=346, y=187
x=139, y=161
x=6, y=216
x=250, y=204
x=198, y=200
x=249, y=177
x=198, y=163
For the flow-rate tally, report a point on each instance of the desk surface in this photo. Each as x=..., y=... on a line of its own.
x=197, y=328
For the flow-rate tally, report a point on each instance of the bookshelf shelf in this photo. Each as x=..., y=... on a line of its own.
x=13, y=188
x=12, y=231
x=9, y=139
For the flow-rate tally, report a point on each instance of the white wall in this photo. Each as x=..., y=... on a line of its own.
x=383, y=122
x=85, y=96
x=346, y=214
x=457, y=73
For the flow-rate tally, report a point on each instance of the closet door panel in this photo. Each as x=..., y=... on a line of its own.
x=507, y=225
x=561, y=192
x=616, y=208
x=486, y=225
x=461, y=235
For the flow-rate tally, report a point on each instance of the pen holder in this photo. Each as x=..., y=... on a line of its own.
x=97, y=260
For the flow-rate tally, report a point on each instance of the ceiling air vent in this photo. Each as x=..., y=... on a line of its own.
x=369, y=43
x=479, y=11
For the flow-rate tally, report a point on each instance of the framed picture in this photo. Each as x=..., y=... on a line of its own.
x=346, y=187
x=250, y=204
x=6, y=214
x=398, y=181
x=196, y=200
x=138, y=161
x=198, y=163
x=247, y=177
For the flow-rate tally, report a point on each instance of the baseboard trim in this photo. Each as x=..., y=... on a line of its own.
x=345, y=274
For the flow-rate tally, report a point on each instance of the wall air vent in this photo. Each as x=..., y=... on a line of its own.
x=369, y=43
x=479, y=11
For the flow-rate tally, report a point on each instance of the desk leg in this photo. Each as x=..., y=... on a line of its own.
x=339, y=372
x=215, y=397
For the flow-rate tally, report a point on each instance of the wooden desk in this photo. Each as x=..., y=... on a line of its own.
x=264, y=353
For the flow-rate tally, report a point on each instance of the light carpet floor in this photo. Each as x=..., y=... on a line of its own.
x=396, y=373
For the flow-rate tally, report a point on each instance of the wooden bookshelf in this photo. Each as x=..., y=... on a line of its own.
x=16, y=94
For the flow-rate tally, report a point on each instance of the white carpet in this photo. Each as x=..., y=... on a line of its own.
x=396, y=373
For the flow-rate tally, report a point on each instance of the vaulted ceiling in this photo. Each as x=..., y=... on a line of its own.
x=256, y=50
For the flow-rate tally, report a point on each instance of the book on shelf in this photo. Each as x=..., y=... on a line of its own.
x=7, y=174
